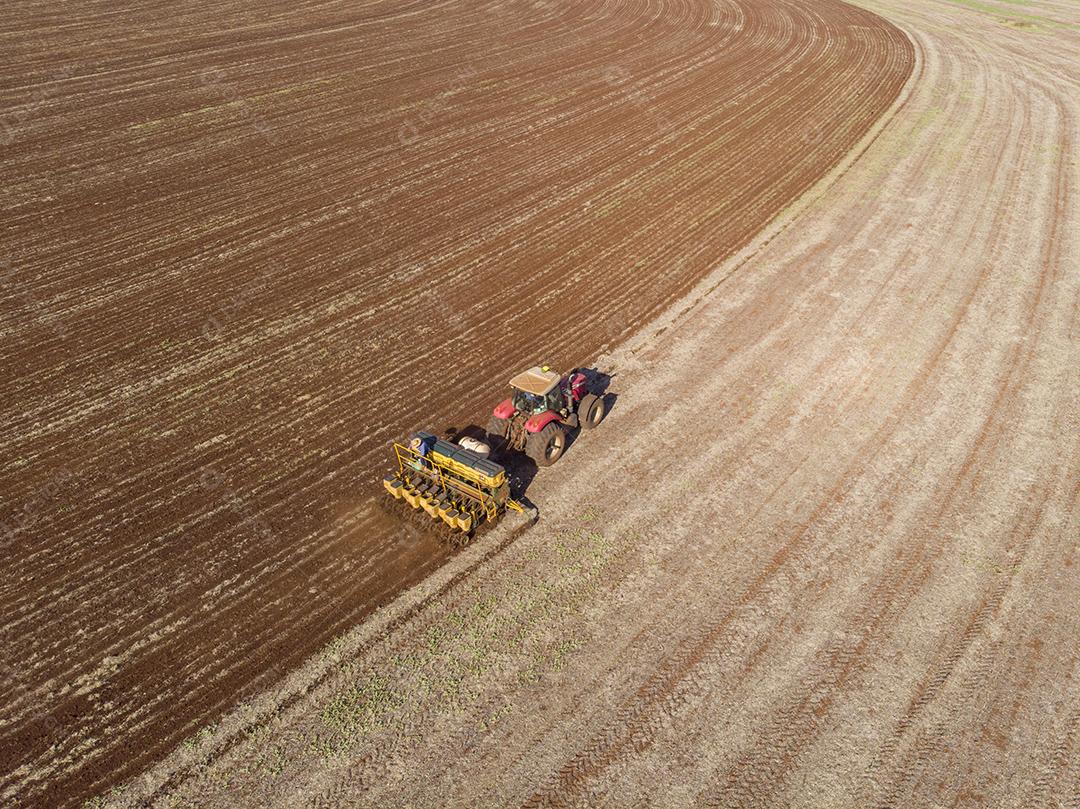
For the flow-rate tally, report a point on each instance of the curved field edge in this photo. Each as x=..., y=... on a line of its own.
x=226, y=744
x=174, y=424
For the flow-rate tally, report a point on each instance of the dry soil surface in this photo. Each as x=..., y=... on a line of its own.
x=823, y=551
x=245, y=245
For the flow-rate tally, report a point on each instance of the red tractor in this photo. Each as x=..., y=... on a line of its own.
x=535, y=419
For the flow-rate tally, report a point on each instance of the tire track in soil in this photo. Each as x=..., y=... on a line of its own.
x=796, y=725
x=632, y=729
x=1017, y=550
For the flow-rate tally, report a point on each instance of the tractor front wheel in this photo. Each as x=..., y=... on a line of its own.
x=546, y=446
x=590, y=411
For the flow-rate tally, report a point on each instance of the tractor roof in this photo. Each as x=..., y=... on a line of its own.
x=536, y=381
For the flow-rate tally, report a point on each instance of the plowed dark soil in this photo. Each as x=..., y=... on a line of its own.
x=822, y=553
x=244, y=247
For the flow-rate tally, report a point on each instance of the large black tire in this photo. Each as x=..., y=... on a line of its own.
x=590, y=411
x=546, y=446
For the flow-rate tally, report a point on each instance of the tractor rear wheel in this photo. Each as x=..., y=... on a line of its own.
x=590, y=411
x=546, y=446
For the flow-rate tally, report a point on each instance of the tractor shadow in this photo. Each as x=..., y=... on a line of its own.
x=521, y=470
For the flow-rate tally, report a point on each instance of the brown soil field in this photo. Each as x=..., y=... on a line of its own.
x=822, y=552
x=247, y=245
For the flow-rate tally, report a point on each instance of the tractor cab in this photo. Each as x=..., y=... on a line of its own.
x=537, y=391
